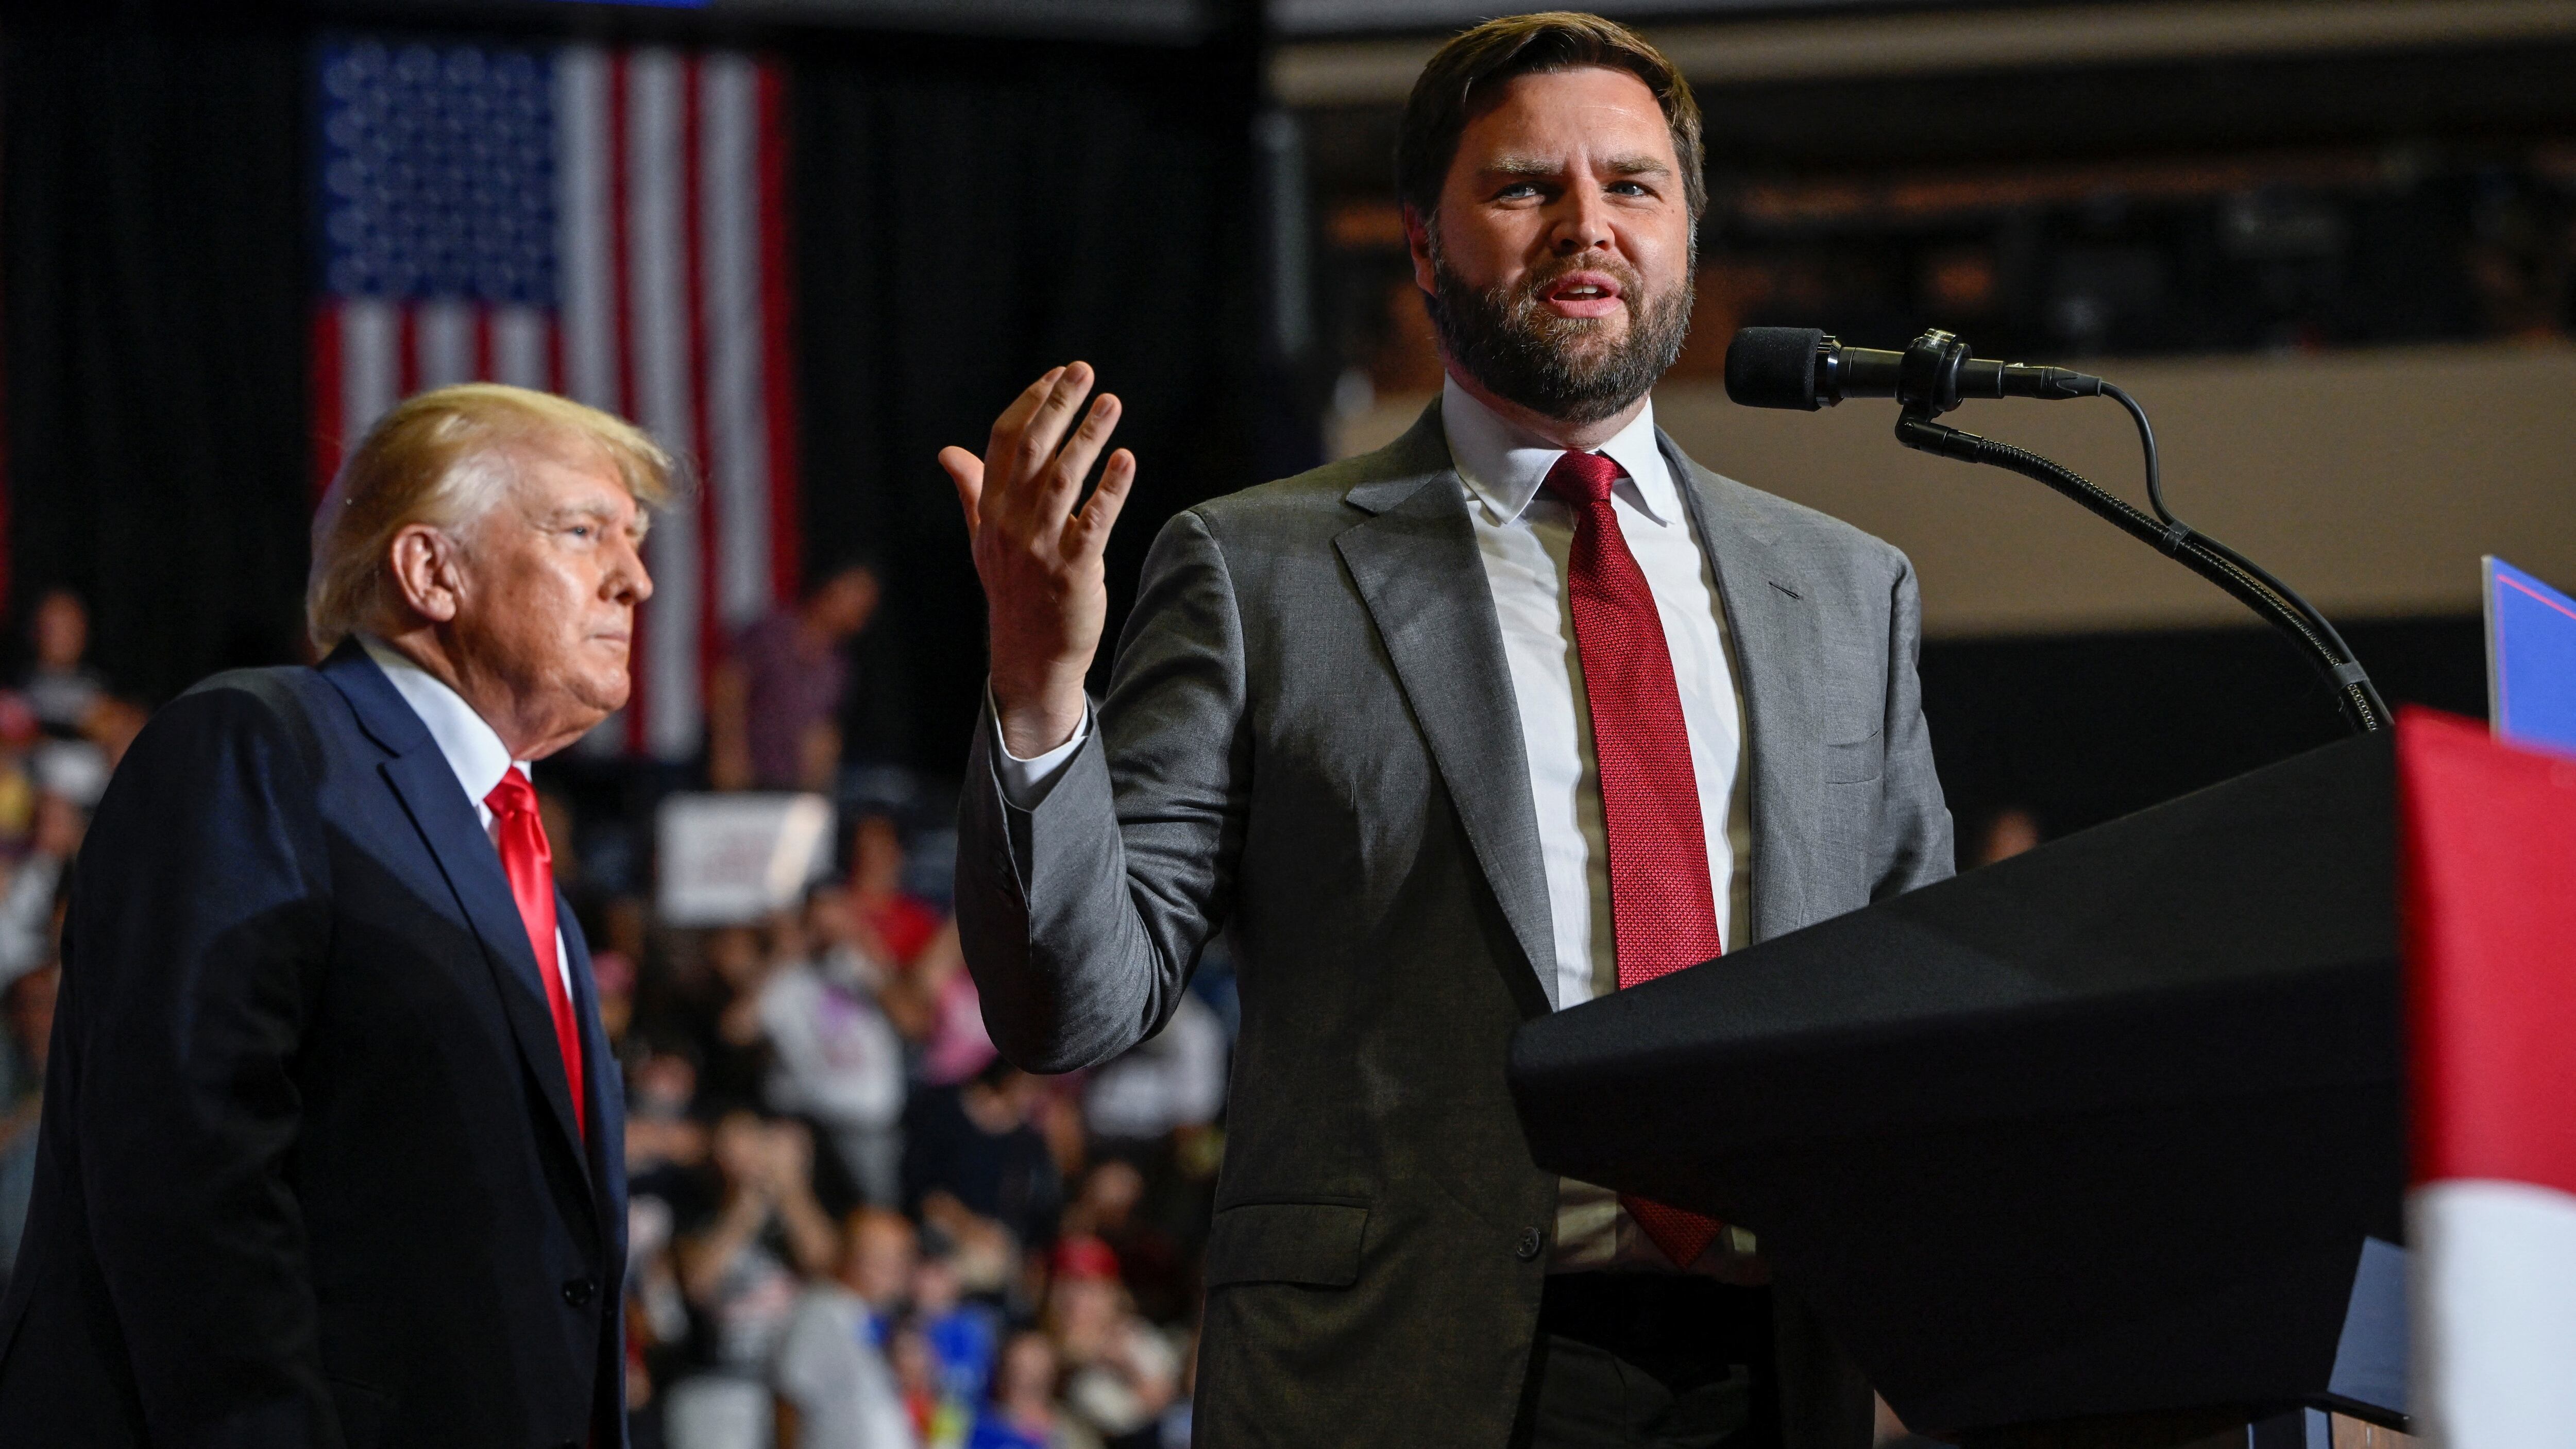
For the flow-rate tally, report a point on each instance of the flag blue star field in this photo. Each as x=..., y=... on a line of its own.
x=604, y=223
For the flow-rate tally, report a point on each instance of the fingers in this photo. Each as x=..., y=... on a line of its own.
x=1117, y=480
x=967, y=472
x=1046, y=425
x=1007, y=427
x=1063, y=483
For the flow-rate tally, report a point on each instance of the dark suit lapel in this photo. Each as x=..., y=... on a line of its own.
x=421, y=779
x=1772, y=629
x=1416, y=567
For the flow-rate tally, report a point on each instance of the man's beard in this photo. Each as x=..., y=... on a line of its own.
x=1564, y=368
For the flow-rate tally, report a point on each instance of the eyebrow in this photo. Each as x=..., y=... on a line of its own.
x=1533, y=166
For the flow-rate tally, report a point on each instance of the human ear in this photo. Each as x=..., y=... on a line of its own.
x=426, y=572
x=1417, y=240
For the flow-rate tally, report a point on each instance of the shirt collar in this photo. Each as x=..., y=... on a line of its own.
x=1504, y=466
x=472, y=747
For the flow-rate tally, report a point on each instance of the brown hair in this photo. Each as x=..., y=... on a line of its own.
x=1444, y=94
x=444, y=458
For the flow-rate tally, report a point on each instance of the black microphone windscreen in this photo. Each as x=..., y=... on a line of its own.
x=1774, y=367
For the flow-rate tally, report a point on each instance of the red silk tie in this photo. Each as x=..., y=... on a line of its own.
x=530, y=864
x=1663, y=913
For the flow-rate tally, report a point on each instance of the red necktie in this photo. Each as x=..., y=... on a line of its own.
x=530, y=864
x=1663, y=914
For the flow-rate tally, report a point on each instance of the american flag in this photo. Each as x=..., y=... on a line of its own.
x=609, y=224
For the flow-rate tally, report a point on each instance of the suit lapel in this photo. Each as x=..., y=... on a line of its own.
x=1772, y=629
x=1416, y=568
x=421, y=779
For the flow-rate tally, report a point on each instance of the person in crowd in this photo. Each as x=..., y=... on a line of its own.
x=835, y=1060
x=773, y=708
x=891, y=922
x=741, y=1269
x=1120, y=1372
x=60, y=684
x=973, y=1154
x=1523, y=708
x=1151, y=1262
x=330, y=1142
x=27, y=1004
x=1023, y=1412
x=29, y=926
x=736, y=963
x=939, y=1416
x=834, y=1387
x=962, y=1334
x=1170, y=1082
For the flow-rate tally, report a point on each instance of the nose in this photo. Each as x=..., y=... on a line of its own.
x=1582, y=223
x=627, y=581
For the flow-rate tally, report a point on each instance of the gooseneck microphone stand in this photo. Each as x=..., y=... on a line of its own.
x=1928, y=386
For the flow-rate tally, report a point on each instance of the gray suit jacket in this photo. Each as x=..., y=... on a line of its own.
x=1310, y=742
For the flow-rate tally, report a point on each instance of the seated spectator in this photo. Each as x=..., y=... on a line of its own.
x=740, y=1271
x=834, y=1388
x=835, y=1060
x=1023, y=1413
x=975, y=1146
x=1121, y=1373
x=773, y=715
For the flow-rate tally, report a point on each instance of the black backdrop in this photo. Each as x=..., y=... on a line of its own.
x=970, y=215
x=152, y=207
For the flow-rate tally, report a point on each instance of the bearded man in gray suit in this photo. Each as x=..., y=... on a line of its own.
x=1517, y=710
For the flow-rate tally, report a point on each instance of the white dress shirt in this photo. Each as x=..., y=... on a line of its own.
x=473, y=749
x=1523, y=536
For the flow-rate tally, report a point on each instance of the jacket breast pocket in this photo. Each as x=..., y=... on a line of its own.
x=1314, y=1243
x=1857, y=762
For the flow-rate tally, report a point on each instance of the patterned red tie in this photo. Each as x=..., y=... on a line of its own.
x=1663, y=913
x=530, y=864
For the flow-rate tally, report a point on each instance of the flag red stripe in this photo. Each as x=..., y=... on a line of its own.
x=327, y=385
x=778, y=368
x=406, y=350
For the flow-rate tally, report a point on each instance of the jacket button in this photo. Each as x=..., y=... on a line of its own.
x=577, y=1291
x=1529, y=1244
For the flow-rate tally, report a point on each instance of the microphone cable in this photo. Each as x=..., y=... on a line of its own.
x=2246, y=581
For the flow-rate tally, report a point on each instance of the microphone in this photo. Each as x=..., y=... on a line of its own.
x=1808, y=369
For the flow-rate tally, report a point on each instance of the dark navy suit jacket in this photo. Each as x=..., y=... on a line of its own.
x=309, y=1174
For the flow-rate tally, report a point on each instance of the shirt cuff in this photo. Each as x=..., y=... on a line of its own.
x=1026, y=783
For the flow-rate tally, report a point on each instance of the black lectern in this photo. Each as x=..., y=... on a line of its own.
x=2109, y=1133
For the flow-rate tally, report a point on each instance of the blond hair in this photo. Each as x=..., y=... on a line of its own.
x=444, y=458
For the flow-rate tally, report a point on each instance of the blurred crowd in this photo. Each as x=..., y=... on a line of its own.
x=852, y=1225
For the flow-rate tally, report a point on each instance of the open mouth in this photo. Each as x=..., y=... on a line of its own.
x=1582, y=294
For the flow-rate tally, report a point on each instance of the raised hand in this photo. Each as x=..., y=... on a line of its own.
x=1038, y=553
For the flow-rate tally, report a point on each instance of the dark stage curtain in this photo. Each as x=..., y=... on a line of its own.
x=152, y=204
x=970, y=214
